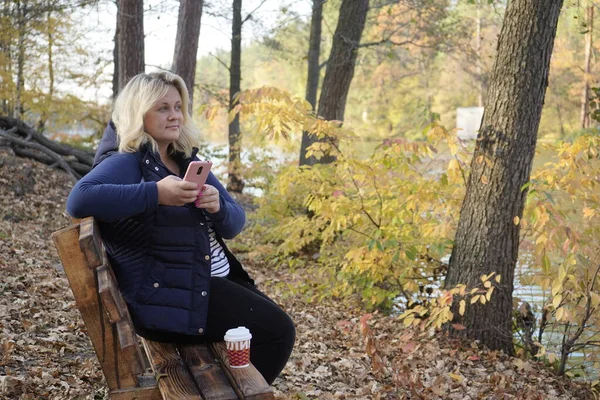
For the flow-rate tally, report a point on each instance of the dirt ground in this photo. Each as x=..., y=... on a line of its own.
x=340, y=353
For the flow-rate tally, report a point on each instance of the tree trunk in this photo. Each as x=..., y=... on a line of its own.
x=50, y=94
x=130, y=23
x=6, y=49
x=585, y=97
x=487, y=238
x=479, y=57
x=186, y=43
x=115, y=79
x=235, y=182
x=312, y=80
x=340, y=66
x=22, y=21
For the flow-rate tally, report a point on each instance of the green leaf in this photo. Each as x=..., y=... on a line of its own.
x=546, y=264
x=411, y=253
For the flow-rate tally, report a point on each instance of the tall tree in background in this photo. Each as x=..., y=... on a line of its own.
x=115, y=78
x=487, y=237
x=130, y=27
x=235, y=182
x=186, y=42
x=50, y=32
x=585, y=97
x=22, y=30
x=340, y=67
x=312, y=80
x=478, y=67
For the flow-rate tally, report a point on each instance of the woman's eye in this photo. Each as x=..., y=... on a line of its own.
x=163, y=108
x=178, y=108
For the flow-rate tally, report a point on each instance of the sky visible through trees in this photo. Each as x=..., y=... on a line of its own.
x=160, y=26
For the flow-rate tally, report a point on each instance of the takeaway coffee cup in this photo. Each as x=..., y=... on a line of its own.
x=238, y=346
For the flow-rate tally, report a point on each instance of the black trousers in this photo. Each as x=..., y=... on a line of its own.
x=234, y=303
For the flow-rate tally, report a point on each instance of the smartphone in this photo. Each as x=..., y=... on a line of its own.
x=197, y=172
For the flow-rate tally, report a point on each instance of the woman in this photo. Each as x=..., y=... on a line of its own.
x=164, y=236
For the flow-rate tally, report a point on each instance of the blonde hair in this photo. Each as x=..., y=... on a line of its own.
x=137, y=98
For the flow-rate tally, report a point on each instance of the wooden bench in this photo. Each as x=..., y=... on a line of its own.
x=153, y=370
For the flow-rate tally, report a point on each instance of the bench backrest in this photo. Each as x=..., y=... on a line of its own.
x=102, y=307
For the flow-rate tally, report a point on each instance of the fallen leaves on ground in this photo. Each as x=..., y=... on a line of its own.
x=340, y=352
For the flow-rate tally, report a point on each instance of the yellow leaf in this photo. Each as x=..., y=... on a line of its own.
x=474, y=299
x=482, y=300
x=479, y=159
x=462, y=306
x=408, y=320
x=516, y=220
x=498, y=278
x=453, y=165
x=588, y=212
x=560, y=313
x=488, y=295
x=562, y=273
x=487, y=284
x=542, y=350
x=595, y=299
x=484, y=179
x=556, y=287
x=456, y=377
x=557, y=300
x=542, y=239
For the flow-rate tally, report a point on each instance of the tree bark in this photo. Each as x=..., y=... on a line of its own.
x=340, y=66
x=6, y=49
x=585, y=97
x=22, y=21
x=478, y=68
x=235, y=182
x=186, y=42
x=115, y=78
x=312, y=80
x=130, y=23
x=487, y=238
x=50, y=94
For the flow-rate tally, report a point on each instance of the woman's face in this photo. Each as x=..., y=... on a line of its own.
x=163, y=121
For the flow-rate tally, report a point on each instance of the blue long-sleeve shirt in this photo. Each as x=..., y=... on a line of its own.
x=115, y=190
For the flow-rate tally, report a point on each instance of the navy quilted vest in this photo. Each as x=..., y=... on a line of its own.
x=162, y=262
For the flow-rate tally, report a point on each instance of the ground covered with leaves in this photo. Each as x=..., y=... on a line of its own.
x=340, y=353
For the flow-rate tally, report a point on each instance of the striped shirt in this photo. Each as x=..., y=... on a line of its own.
x=219, y=263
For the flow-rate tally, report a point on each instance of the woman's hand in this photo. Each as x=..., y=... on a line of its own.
x=173, y=191
x=209, y=199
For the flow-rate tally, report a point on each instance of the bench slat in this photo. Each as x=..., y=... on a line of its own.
x=145, y=393
x=130, y=347
x=247, y=382
x=173, y=377
x=111, y=297
x=90, y=243
x=207, y=373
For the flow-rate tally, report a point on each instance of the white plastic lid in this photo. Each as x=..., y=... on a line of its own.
x=238, y=334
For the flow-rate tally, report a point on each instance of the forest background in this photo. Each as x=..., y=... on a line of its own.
x=384, y=242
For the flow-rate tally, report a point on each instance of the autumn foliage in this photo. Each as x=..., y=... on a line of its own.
x=381, y=228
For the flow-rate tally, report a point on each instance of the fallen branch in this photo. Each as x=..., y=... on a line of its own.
x=78, y=167
x=11, y=137
x=24, y=130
